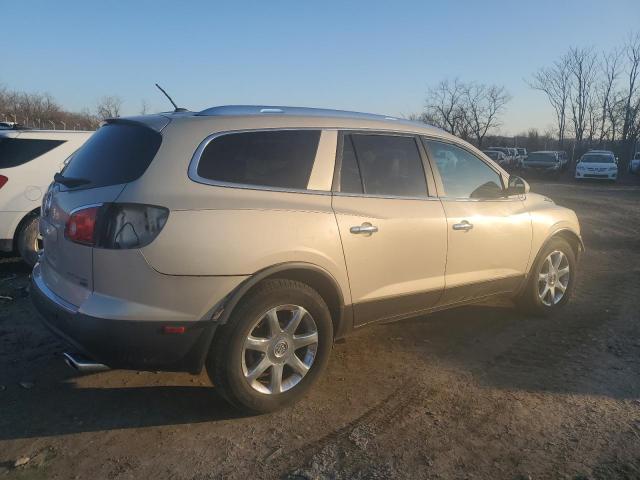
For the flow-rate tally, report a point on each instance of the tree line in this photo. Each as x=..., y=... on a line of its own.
x=595, y=97
x=42, y=111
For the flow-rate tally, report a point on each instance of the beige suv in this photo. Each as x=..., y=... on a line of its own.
x=248, y=239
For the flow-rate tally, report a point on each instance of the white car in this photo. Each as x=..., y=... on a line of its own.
x=28, y=161
x=599, y=165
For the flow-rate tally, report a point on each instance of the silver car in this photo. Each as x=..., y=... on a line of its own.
x=248, y=239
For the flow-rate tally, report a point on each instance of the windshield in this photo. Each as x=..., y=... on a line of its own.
x=542, y=157
x=116, y=153
x=491, y=154
x=597, y=158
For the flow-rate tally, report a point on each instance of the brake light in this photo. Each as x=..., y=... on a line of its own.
x=116, y=225
x=81, y=226
x=3, y=180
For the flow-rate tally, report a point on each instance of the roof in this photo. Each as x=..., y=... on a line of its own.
x=307, y=112
x=32, y=132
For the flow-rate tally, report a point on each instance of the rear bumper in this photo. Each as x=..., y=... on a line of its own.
x=541, y=170
x=126, y=344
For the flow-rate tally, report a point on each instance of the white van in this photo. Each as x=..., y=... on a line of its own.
x=28, y=161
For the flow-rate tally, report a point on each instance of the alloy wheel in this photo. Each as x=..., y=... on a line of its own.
x=279, y=349
x=553, y=278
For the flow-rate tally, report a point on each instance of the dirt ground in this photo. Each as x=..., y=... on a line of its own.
x=479, y=392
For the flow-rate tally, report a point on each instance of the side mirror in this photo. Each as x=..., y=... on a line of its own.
x=517, y=186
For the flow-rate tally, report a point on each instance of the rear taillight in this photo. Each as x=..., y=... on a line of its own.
x=116, y=225
x=81, y=226
x=3, y=180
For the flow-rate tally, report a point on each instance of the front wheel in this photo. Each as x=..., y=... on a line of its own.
x=274, y=347
x=551, y=280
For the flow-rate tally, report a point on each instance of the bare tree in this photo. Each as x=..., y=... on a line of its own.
x=606, y=91
x=444, y=106
x=108, y=107
x=144, y=107
x=482, y=106
x=36, y=110
x=631, y=95
x=554, y=83
x=583, y=69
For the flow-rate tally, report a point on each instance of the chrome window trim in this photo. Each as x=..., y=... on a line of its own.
x=82, y=207
x=195, y=161
x=510, y=198
x=388, y=197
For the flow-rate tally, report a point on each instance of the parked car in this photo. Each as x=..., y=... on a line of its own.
x=597, y=164
x=564, y=160
x=523, y=153
x=497, y=156
x=28, y=161
x=634, y=163
x=543, y=162
x=248, y=239
x=516, y=158
x=511, y=159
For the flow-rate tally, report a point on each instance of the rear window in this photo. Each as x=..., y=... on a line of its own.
x=280, y=159
x=116, y=153
x=18, y=151
x=542, y=157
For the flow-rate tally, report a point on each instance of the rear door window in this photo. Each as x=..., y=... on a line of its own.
x=390, y=165
x=117, y=153
x=279, y=158
x=18, y=151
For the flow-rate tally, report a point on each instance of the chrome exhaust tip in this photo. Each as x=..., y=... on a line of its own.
x=83, y=364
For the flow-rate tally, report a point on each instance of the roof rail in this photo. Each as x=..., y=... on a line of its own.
x=289, y=111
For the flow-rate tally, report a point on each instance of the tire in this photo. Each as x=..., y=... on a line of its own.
x=530, y=299
x=230, y=362
x=27, y=240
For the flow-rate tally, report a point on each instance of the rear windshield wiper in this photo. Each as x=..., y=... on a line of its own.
x=70, y=181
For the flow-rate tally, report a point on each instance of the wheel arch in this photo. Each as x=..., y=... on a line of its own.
x=570, y=236
x=313, y=275
x=23, y=220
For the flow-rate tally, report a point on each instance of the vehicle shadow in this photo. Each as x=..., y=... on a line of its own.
x=65, y=409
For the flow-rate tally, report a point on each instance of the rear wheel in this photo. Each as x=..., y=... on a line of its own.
x=28, y=240
x=551, y=280
x=274, y=347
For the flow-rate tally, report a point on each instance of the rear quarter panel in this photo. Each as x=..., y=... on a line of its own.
x=215, y=230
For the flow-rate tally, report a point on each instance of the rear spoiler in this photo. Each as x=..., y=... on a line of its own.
x=153, y=122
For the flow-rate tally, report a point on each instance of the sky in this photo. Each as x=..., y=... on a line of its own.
x=377, y=57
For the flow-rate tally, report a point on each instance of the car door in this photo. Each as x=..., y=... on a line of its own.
x=392, y=226
x=489, y=235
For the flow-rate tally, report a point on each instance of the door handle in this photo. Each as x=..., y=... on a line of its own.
x=463, y=225
x=364, y=228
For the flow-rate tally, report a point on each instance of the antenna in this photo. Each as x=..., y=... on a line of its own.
x=177, y=109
